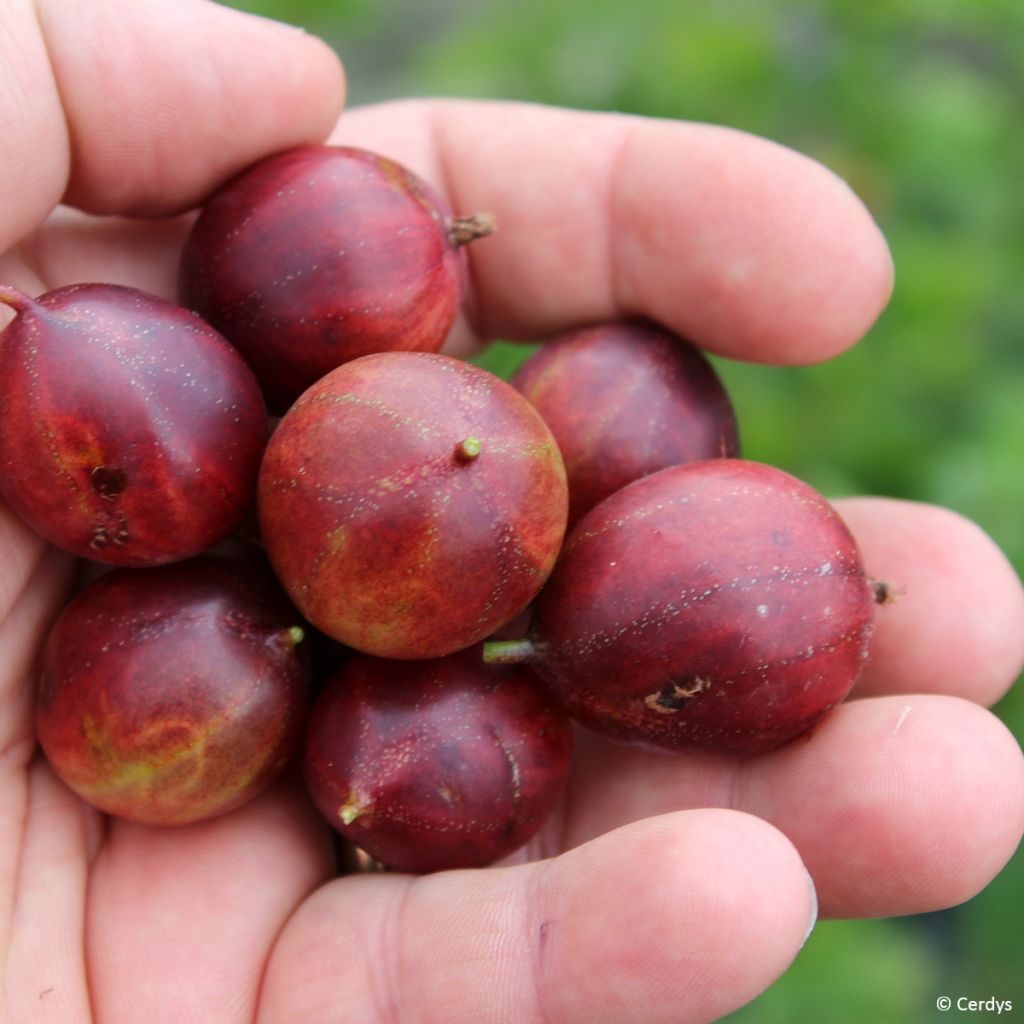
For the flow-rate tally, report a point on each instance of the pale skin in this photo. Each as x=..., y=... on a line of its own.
x=665, y=889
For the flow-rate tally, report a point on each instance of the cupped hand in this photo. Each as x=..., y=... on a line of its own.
x=666, y=888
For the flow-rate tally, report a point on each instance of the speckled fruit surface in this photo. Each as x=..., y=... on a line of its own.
x=624, y=400
x=428, y=765
x=411, y=504
x=319, y=255
x=130, y=431
x=173, y=694
x=718, y=604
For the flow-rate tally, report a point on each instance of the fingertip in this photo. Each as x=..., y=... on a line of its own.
x=682, y=917
x=899, y=805
x=777, y=259
x=956, y=624
x=188, y=94
x=858, y=273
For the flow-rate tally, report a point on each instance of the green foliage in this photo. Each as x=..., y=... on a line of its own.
x=504, y=357
x=863, y=971
x=918, y=105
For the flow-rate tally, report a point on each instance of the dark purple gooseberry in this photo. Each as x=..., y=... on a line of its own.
x=428, y=765
x=625, y=399
x=321, y=254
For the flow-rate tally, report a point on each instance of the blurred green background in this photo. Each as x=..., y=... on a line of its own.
x=919, y=105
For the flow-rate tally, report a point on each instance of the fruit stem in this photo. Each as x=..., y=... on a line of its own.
x=463, y=230
x=355, y=806
x=509, y=652
x=289, y=638
x=16, y=298
x=468, y=450
x=884, y=592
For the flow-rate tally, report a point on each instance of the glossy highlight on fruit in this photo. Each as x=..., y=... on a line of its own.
x=411, y=504
x=321, y=254
x=625, y=399
x=430, y=765
x=173, y=694
x=130, y=431
x=719, y=604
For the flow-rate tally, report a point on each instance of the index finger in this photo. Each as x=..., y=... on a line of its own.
x=747, y=248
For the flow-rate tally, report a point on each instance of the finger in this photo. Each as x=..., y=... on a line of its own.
x=45, y=971
x=745, y=247
x=956, y=624
x=186, y=93
x=897, y=805
x=180, y=921
x=33, y=581
x=678, y=919
x=71, y=246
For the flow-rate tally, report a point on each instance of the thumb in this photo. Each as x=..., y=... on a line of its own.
x=674, y=919
x=143, y=107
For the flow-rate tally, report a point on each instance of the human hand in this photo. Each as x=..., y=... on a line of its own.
x=682, y=892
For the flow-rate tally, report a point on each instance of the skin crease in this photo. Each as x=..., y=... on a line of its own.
x=236, y=919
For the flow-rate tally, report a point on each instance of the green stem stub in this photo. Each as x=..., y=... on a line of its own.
x=468, y=449
x=284, y=641
x=509, y=652
x=354, y=807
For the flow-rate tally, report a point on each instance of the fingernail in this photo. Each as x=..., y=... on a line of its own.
x=814, y=910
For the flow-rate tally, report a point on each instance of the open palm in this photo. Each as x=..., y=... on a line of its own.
x=665, y=888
